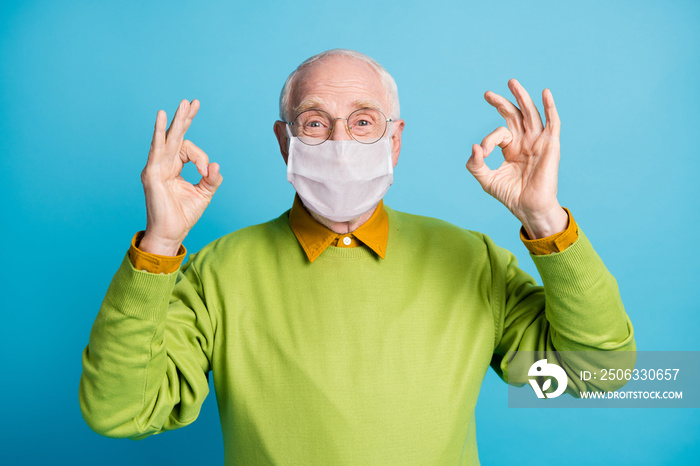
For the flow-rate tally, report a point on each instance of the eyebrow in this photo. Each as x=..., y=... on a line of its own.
x=315, y=103
x=312, y=103
x=367, y=104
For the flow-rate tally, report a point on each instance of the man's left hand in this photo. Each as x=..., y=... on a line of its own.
x=526, y=182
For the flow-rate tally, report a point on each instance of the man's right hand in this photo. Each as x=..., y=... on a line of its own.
x=174, y=205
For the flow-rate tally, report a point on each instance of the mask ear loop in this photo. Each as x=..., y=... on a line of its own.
x=290, y=157
x=289, y=137
x=390, y=128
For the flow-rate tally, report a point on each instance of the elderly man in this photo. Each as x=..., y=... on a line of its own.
x=342, y=332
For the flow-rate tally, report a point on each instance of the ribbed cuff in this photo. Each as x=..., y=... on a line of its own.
x=571, y=271
x=140, y=294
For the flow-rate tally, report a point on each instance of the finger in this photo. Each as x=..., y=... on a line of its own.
x=178, y=119
x=212, y=181
x=181, y=122
x=158, y=141
x=194, y=108
x=531, y=116
x=550, y=112
x=505, y=107
x=500, y=137
x=191, y=153
x=478, y=168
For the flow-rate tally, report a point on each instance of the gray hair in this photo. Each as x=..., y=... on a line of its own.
x=388, y=83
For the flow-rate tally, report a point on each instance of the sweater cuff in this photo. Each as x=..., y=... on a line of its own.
x=572, y=271
x=554, y=243
x=154, y=263
x=140, y=294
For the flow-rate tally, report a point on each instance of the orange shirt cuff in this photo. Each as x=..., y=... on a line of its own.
x=551, y=244
x=154, y=263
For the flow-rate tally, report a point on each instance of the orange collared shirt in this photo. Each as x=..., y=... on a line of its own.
x=315, y=238
x=554, y=243
x=154, y=263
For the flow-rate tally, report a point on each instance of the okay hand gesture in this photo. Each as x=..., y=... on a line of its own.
x=526, y=182
x=174, y=205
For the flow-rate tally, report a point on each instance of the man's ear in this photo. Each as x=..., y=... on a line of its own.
x=280, y=129
x=396, y=140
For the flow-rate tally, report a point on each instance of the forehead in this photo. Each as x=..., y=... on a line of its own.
x=338, y=84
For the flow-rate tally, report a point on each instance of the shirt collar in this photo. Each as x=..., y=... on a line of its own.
x=315, y=238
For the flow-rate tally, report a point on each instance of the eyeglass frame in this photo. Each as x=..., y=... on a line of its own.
x=330, y=131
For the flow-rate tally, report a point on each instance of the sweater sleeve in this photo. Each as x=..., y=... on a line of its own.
x=146, y=366
x=578, y=309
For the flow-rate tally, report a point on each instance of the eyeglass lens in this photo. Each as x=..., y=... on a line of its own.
x=313, y=127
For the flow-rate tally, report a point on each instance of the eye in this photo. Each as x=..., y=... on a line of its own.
x=364, y=118
x=313, y=121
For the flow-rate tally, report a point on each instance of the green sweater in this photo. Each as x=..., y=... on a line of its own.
x=352, y=359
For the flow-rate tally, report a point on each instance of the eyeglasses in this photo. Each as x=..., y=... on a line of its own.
x=314, y=127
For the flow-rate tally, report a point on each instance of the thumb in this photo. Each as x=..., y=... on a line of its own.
x=477, y=167
x=211, y=182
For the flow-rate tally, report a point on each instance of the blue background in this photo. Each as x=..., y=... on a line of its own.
x=81, y=83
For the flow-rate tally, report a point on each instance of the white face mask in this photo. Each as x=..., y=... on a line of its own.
x=340, y=180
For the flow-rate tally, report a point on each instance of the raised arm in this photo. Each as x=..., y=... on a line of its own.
x=579, y=306
x=145, y=368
